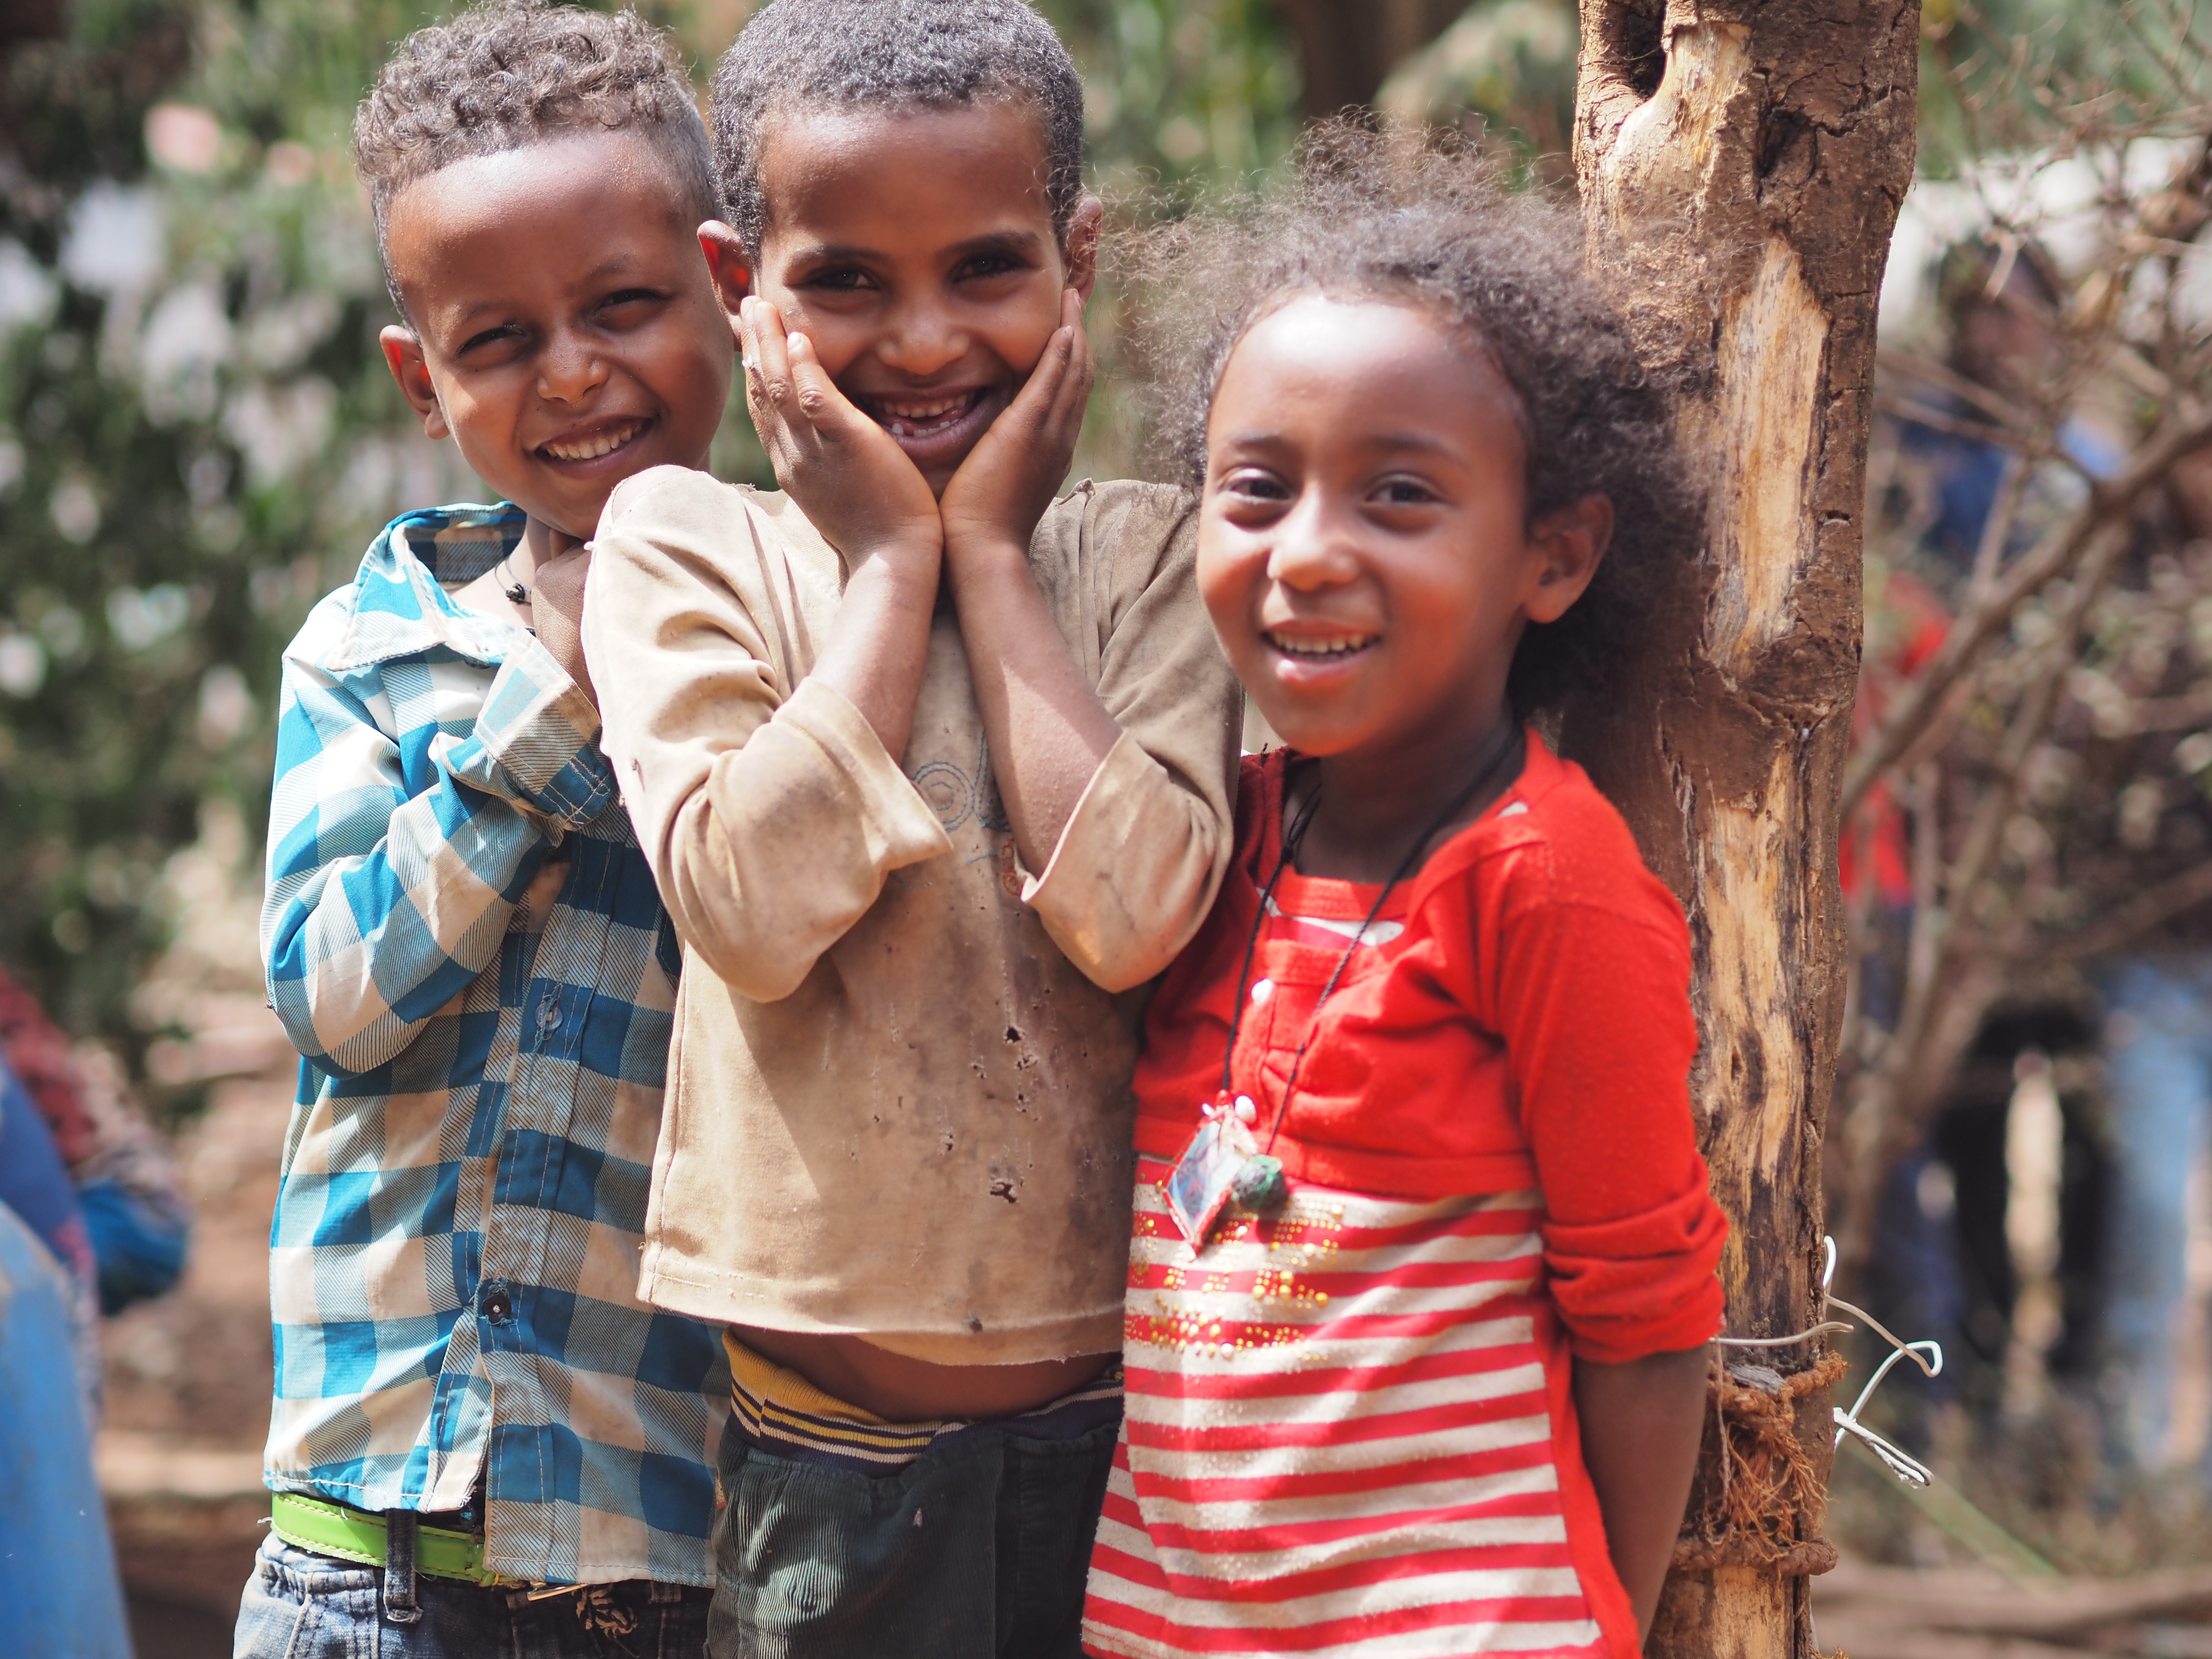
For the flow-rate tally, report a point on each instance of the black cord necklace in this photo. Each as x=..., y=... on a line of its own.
x=1259, y=1184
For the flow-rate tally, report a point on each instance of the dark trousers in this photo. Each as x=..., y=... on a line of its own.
x=980, y=1546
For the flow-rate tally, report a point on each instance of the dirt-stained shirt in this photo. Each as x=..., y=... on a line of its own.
x=899, y=1100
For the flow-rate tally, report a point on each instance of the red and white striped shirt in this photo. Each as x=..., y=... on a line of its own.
x=1338, y=1438
x=1349, y=1426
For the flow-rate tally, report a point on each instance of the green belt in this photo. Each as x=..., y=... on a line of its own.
x=353, y=1535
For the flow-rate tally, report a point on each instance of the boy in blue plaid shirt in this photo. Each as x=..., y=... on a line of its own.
x=473, y=1407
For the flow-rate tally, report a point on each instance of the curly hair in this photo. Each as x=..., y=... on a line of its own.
x=888, y=54
x=1423, y=220
x=516, y=72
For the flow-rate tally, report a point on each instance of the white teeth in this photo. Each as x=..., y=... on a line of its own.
x=1340, y=645
x=907, y=420
x=592, y=448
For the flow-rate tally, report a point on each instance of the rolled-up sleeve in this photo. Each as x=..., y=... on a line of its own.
x=1137, y=866
x=1595, y=1014
x=396, y=859
x=772, y=816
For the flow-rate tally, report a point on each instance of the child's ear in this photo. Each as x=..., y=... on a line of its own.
x=728, y=265
x=403, y=353
x=1568, y=542
x=1082, y=232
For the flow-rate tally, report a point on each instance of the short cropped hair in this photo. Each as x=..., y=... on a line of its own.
x=890, y=54
x=510, y=74
x=1427, y=222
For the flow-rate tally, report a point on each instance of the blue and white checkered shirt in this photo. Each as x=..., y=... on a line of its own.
x=464, y=940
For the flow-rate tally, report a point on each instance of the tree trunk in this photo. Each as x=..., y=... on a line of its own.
x=1347, y=48
x=1741, y=164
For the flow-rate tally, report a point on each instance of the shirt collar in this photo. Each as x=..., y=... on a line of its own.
x=400, y=608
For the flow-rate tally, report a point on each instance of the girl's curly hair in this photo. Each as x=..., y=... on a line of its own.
x=515, y=72
x=1423, y=220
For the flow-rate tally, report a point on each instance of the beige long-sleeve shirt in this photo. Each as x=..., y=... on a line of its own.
x=898, y=1099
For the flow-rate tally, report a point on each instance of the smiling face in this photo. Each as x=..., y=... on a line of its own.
x=917, y=249
x=565, y=331
x=1362, y=546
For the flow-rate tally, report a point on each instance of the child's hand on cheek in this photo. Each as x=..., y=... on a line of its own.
x=1003, y=488
x=853, y=483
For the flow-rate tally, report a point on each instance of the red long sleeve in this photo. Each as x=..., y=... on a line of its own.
x=1530, y=1028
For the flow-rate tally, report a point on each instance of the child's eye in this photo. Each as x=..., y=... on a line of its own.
x=491, y=336
x=1250, y=483
x=1405, y=492
x=630, y=296
x=986, y=265
x=838, y=279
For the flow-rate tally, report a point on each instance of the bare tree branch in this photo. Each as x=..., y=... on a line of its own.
x=2147, y=911
x=2110, y=500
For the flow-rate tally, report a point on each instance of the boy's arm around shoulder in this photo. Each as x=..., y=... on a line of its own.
x=770, y=812
x=1137, y=868
x=395, y=860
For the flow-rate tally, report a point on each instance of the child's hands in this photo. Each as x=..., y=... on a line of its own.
x=557, y=606
x=853, y=483
x=1008, y=481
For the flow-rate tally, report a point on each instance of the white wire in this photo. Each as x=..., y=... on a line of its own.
x=1927, y=1355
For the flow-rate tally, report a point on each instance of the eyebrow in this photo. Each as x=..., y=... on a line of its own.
x=1022, y=243
x=613, y=265
x=1386, y=443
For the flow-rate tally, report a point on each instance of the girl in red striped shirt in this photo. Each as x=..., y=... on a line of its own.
x=1423, y=1271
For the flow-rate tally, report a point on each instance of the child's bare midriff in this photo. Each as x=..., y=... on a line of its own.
x=903, y=1390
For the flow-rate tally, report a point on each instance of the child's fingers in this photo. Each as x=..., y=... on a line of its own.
x=1060, y=421
x=771, y=350
x=1033, y=405
x=1081, y=366
x=824, y=408
x=1074, y=399
x=772, y=394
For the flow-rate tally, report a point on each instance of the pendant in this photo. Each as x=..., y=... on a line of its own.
x=1260, y=1186
x=1222, y=1162
x=518, y=594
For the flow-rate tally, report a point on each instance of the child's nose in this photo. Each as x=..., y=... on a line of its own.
x=1312, y=546
x=570, y=369
x=920, y=340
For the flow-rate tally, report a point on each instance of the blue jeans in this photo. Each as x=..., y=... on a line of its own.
x=2158, y=1047
x=299, y=1604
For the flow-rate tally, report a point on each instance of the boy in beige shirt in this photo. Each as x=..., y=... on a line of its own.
x=934, y=772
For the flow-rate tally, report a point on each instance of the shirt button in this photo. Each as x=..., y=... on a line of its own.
x=1262, y=990
x=498, y=1306
x=549, y=1013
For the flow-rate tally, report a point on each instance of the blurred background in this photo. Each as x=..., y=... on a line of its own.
x=198, y=438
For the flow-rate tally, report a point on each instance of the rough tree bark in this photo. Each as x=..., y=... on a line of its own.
x=1741, y=164
x=1347, y=48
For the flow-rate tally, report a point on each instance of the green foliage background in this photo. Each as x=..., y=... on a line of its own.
x=194, y=450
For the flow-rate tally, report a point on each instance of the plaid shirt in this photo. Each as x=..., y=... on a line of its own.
x=463, y=941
